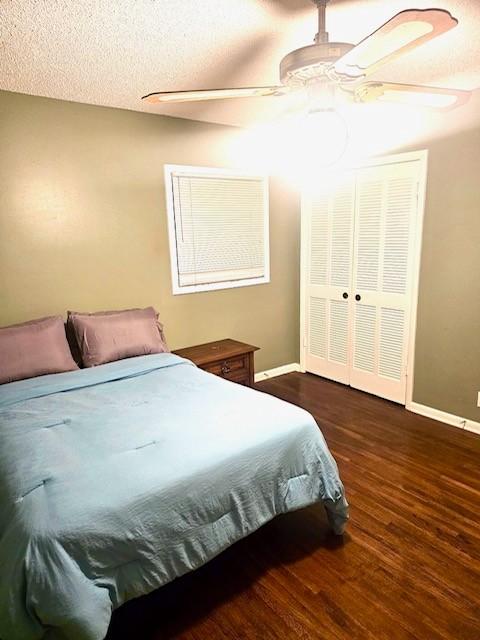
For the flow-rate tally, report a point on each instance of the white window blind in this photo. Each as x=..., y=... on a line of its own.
x=218, y=223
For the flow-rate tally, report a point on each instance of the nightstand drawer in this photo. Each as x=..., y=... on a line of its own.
x=227, y=358
x=240, y=377
x=229, y=367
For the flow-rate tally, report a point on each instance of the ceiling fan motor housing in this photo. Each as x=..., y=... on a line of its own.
x=311, y=63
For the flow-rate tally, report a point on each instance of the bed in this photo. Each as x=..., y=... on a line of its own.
x=115, y=480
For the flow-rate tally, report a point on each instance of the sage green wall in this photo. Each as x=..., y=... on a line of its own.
x=447, y=355
x=83, y=224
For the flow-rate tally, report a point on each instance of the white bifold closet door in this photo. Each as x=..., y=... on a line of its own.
x=359, y=273
x=329, y=238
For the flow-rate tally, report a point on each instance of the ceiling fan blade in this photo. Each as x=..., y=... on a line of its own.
x=404, y=32
x=412, y=95
x=214, y=94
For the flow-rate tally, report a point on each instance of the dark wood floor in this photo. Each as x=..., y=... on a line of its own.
x=409, y=566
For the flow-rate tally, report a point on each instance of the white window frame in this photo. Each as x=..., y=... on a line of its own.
x=175, y=169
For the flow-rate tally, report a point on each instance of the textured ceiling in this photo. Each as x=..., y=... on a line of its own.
x=111, y=52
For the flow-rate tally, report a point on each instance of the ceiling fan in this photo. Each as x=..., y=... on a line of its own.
x=325, y=68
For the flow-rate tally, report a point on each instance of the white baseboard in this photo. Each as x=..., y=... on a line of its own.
x=442, y=416
x=278, y=371
x=414, y=407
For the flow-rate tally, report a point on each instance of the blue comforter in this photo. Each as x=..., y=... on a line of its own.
x=115, y=480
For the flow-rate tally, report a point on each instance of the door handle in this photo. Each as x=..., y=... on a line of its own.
x=358, y=297
x=345, y=295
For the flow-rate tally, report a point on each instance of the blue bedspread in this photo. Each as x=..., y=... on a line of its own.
x=115, y=480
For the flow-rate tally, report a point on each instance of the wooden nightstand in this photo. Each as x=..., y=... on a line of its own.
x=226, y=358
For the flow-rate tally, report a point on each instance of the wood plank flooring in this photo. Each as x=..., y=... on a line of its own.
x=408, y=568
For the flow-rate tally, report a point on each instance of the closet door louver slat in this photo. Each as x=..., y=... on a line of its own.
x=392, y=329
x=338, y=338
x=318, y=327
x=364, y=340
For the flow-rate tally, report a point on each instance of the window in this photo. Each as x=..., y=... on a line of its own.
x=218, y=228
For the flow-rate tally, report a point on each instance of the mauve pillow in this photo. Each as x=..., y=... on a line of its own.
x=34, y=348
x=106, y=336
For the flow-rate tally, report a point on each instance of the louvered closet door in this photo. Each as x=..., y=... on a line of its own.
x=329, y=237
x=385, y=210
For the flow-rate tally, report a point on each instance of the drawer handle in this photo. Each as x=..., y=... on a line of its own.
x=225, y=368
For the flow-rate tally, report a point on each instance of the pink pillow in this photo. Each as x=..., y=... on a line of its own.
x=106, y=336
x=34, y=348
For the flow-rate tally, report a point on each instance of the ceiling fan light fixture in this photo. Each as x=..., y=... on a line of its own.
x=325, y=131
